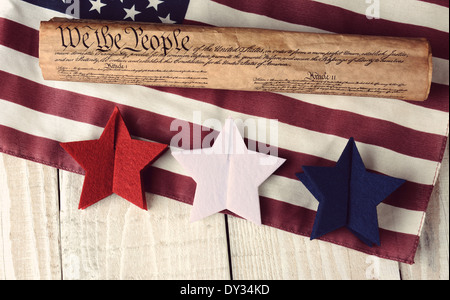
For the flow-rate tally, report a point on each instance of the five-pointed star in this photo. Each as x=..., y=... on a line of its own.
x=227, y=175
x=167, y=20
x=97, y=5
x=113, y=163
x=154, y=3
x=348, y=195
x=131, y=13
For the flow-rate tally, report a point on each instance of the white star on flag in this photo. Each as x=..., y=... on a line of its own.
x=131, y=12
x=167, y=20
x=154, y=3
x=97, y=5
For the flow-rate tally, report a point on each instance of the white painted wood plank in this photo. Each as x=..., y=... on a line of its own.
x=29, y=236
x=431, y=261
x=114, y=239
x=266, y=253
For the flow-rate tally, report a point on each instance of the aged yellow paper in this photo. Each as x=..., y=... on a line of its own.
x=235, y=58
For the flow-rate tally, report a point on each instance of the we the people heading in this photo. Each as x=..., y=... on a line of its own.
x=131, y=38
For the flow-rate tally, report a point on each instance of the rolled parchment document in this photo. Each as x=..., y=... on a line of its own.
x=235, y=59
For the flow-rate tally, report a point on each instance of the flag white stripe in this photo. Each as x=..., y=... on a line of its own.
x=412, y=116
x=213, y=13
x=49, y=126
x=402, y=11
x=276, y=187
x=293, y=138
x=399, y=219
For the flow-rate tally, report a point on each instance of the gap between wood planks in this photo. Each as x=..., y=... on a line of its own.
x=230, y=265
x=58, y=182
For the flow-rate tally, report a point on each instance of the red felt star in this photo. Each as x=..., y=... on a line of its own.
x=113, y=163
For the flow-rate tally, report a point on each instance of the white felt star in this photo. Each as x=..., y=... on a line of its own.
x=154, y=3
x=167, y=20
x=227, y=175
x=131, y=13
x=97, y=5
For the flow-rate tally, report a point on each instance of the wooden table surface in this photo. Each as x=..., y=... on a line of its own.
x=44, y=236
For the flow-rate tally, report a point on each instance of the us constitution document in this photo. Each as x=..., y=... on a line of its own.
x=235, y=58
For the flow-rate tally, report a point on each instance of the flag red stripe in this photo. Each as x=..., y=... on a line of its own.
x=321, y=119
x=28, y=42
x=36, y=148
x=438, y=98
x=268, y=105
x=444, y=3
x=339, y=20
x=153, y=126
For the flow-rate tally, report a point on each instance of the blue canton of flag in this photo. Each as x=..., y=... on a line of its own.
x=155, y=11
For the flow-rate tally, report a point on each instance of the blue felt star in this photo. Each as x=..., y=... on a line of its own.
x=348, y=195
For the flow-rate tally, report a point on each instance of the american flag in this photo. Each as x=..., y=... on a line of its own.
x=156, y=11
x=397, y=138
